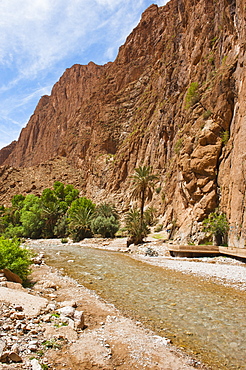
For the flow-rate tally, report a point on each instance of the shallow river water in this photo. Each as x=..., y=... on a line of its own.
x=206, y=319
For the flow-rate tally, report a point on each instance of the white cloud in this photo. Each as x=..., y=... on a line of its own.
x=39, y=37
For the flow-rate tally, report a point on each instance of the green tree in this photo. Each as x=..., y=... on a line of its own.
x=52, y=210
x=136, y=229
x=143, y=185
x=31, y=217
x=65, y=193
x=216, y=223
x=80, y=215
x=105, y=221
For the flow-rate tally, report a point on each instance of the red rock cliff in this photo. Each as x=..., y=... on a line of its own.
x=103, y=121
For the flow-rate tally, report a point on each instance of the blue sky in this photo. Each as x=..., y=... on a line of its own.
x=41, y=38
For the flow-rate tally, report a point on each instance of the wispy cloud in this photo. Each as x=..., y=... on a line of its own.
x=40, y=38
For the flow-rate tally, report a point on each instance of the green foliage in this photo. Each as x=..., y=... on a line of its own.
x=31, y=217
x=44, y=366
x=207, y=114
x=39, y=217
x=105, y=221
x=15, y=258
x=80, y=217
x=149, y=216
x=61, y=227
x=143, y=184
x=52, y=210
x=65, y=193
x=17, y=201
x=216, y=223
x=64, y=240
x=12, y=231
x=136, y=229
x=192, y=95
x=52, y=343
x=106, y=210
x=225, y=137
x=224, y=59
x=58, y=212
x=158, y=228
x=105, y=226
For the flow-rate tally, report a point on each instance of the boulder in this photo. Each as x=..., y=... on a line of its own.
x=79, y=319
x=35, y=364
x=67, y=311
x=2, y=348
x=13, y=356
x=11, y=276
x=68, y=303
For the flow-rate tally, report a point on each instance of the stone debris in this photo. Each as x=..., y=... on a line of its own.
x=54, y=337
x=25, y=331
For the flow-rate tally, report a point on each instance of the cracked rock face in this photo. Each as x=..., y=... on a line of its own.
x=100, y=122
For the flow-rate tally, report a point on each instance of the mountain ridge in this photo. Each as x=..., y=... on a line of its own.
x=103, y=121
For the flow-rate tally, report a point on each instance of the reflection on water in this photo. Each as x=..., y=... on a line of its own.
x=206, y=319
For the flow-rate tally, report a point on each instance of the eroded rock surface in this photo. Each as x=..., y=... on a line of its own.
x=100, y=122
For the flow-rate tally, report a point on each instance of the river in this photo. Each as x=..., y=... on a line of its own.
x=207, y=320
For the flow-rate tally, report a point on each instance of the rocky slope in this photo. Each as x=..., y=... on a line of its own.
x=174, y=99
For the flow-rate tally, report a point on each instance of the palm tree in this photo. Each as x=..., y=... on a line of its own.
x=143, y=184
x=136, y=230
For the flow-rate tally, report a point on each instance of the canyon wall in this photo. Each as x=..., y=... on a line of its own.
x=174, y=99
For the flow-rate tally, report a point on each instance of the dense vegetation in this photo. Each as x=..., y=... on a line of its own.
x=217, y=225
x=137, y=221
x=58, y=212
x=15, y=258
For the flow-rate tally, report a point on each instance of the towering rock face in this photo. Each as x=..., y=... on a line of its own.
x=174, y=99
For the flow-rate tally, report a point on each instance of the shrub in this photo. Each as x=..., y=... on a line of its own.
x=225, y=137
x=136, y=229
x=192, y=95
x=158, y=228
x=207, y=114
x=61, y=227
x=80, y=217
x=149, y=216
x=105, y=226
x=216, y=223
x=15, y=258
x=13, y=231
x=31, y=217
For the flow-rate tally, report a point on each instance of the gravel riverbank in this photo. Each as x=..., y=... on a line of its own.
x=108, y=340
x=51, y=339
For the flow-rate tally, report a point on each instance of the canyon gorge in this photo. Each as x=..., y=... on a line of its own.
x=173, y=99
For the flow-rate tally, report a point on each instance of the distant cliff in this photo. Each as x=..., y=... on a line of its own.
x=174, y=99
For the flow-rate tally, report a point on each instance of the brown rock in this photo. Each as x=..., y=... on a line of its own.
x=2, y=347
x=11, y=276
x=100, y=122
x=14, y=357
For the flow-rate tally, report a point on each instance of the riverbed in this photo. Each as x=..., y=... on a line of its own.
x=205, y=318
